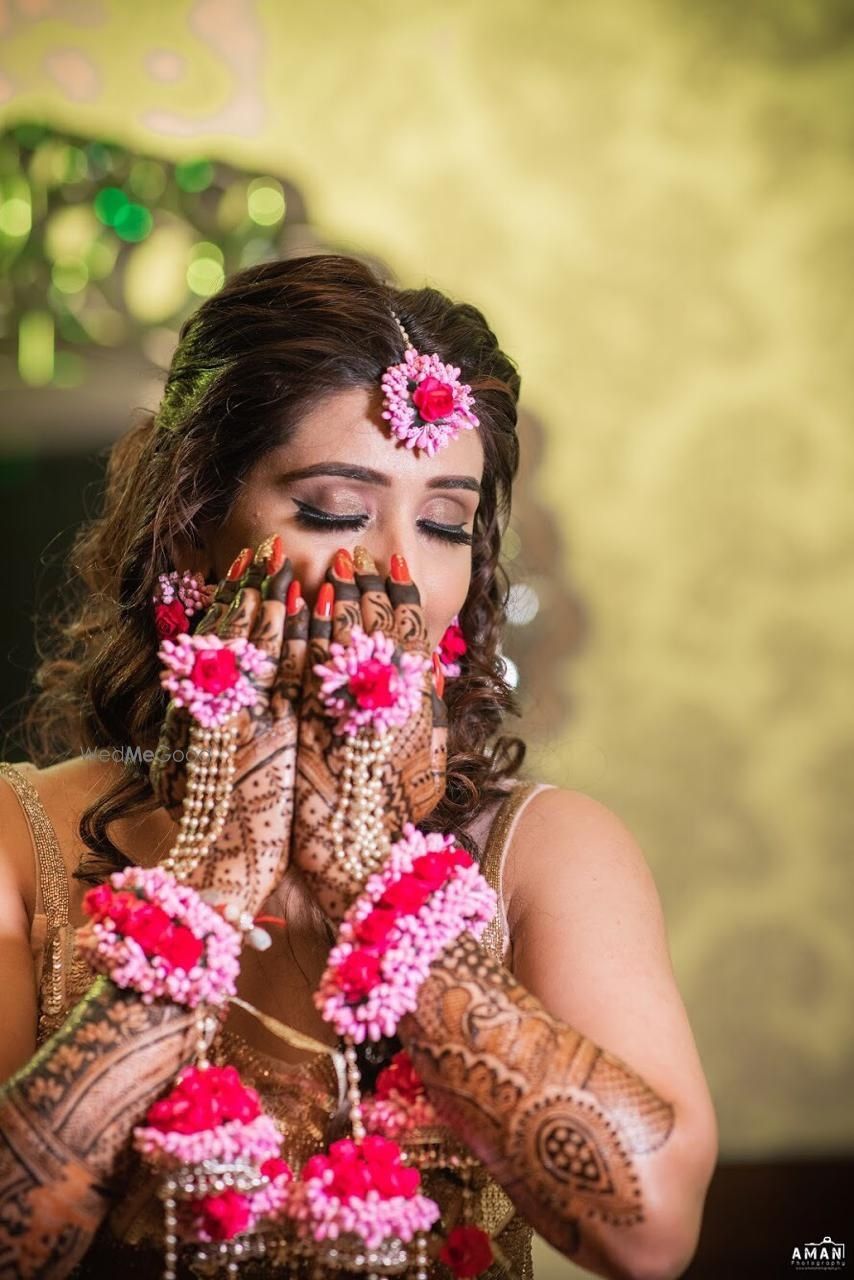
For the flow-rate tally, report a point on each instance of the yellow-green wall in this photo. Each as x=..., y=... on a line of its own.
x=653, y=204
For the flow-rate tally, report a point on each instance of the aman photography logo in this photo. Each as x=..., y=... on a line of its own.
x=823, y=1255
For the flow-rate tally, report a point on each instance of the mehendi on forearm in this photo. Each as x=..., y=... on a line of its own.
x=557, y=1120
x=67, y=1115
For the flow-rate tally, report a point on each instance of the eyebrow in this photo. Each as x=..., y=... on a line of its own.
x=368, y=476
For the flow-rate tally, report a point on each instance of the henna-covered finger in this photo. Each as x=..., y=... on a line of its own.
x=240, y=618
x=377, y=613
x=410, y=626
x=289, y=676
x=268, y=629
x=347, y=609
x=225, y=593
x=439, y=735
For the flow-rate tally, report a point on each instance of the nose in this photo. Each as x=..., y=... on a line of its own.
x=396, y=538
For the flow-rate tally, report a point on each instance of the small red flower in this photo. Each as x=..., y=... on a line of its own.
x=146, y=924
x=170, y=619
x=433, y=399
x=215, y=670
x=370, y=685
x=432, y=868
x=222, y=1216
x=400, y=1075
x=406, y=894
x=351, y=1178
x=359, y=974
x=453, y=645
x=276, y=1167
x=180, y=947
x=467, y=1251
x=375, y=927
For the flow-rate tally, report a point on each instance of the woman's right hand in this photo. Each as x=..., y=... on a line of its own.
x=251, y=855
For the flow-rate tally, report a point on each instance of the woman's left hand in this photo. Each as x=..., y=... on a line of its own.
x=413, y=779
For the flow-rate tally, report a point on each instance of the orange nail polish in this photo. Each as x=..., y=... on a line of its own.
x=240, y=564
x=342, y=565
x=325, y=601
x=399, y=569
x=275, y=556
x=293, y=600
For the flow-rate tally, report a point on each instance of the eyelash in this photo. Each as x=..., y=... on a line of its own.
x=312, y=518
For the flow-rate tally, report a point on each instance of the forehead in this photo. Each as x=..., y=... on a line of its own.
x=347, y=426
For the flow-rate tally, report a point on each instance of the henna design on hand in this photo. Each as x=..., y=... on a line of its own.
x=557, y=1120
x=67, y=1116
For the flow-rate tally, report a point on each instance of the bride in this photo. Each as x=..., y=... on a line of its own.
x=288, y=495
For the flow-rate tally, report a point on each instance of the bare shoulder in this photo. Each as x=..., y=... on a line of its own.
x=568, y=838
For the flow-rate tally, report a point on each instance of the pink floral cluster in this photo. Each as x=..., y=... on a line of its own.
x=452, y=647
x=425, y=403
x=212, y=678
x=362, y=1188
x=399, y=1103
x=210, y=1115
x=428, y=892
x=177, y=597
x=148, y=931
x=369, y=681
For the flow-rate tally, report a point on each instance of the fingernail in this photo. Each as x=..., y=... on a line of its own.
x=325, y=601
x=294, y=601
x=240, y=564
x=275, y=554
x=399, y=569
x=363, y=560
x=342, y=565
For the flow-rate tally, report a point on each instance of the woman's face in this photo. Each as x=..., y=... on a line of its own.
x=342, y=480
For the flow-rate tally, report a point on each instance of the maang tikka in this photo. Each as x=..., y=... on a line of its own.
x=424, y=401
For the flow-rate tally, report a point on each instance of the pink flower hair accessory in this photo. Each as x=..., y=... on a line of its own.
x=426, y=894
x=177, y=597
x=149, y=932
x=371, y=682
x=212, y=678
x=424, y=401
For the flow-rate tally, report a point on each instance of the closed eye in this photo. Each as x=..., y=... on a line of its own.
x=313, y=518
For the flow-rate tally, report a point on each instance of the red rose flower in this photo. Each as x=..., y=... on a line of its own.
x=375, y=927
x=276, y=1167
x=433, y=399
x=343, y=1149
x=170, y=619
x=215, y=670
x=467, y=1251
x=395, y=1179
x=315, y=1167
x=351, y=1178
x=180, y=947
x=432, y=868
x=406, y=894
x=222, y=1216
x=453, y=645
x=96, y=902
x=120, y=907
x=204, y=1099
x=379, y=1150
x=459, y=858
x=401, y=1076
x=370, y=684
x=146, y=924
x=358, y=974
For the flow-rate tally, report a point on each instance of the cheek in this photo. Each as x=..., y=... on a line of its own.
x=444, y=594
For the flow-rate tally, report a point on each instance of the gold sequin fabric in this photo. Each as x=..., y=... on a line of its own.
x=302, y=1096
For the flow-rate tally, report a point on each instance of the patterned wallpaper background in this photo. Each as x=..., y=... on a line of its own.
x=653, y=205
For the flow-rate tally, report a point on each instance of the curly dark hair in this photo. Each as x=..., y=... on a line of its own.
x=252, y=360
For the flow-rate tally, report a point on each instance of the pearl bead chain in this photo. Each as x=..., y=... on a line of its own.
x=210, y=778
x=359, y=838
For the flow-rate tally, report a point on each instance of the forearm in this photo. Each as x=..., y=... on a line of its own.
x=67, y=1115
x=558, y=1121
